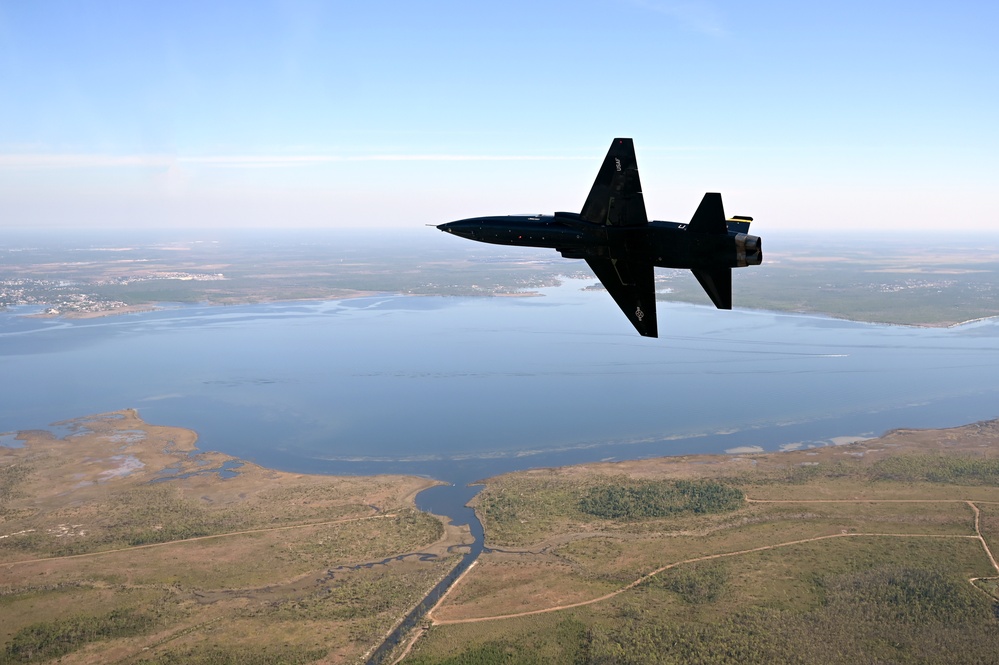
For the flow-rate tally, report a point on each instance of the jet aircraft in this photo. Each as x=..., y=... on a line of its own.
x=616, y=239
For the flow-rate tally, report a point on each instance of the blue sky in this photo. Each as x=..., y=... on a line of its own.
x=853, y=115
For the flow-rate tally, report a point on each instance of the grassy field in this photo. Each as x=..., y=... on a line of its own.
x=108, y=554
x=864, y=553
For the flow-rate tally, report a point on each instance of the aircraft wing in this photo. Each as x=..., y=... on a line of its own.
x=616, y=196
x=632, y=285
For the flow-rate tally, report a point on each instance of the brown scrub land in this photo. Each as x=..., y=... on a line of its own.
x=877, y=551
x=121, y=542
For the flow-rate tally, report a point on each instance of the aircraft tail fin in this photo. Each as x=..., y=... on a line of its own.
x=710, y=216
x=717, y=283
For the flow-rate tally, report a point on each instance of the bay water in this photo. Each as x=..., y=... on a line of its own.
x=460, y=389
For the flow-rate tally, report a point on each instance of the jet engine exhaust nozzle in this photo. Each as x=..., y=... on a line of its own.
x=748, y=250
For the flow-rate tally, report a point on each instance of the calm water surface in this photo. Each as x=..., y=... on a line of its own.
x=464, y=388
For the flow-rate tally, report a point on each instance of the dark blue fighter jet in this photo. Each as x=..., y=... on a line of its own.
x=619, y=243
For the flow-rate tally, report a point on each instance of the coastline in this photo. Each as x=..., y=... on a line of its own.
x=109, y=516
x=354, y=294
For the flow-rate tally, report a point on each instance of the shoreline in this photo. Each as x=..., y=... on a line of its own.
x=156, y=306
x=351, y=294
x=188, y=445
x=180, y=455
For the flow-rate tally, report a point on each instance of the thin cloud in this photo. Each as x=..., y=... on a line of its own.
x=295, y=160
x=696, y=15
x=73, y=161
x=76, y=161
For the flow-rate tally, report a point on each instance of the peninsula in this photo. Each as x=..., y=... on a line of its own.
x=121, y=541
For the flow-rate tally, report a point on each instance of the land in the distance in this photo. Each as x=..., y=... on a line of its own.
x=121, y=542
x=911, y=279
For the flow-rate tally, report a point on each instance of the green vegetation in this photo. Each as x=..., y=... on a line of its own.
x=888, y=614
x=160, y=514
x=10, y=477
x=695, y=584
x=660, y=499
x=360, y=594
x=948, y=469
x=286, y=655
x=566, y=643
x=883, y=614
x=137, y=516
x=907, y=595
x=937, y=469
x=518, y=510
x=50, y=639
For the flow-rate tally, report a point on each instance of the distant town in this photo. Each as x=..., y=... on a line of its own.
x=67, y=297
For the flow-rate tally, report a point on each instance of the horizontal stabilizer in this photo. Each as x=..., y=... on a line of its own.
x=717, y=282
x=738, y=224
x=710, y=216
x=633, y=287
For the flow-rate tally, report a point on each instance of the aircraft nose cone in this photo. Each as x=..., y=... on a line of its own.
x=465, y=228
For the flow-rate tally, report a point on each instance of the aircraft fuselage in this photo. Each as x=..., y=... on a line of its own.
x=664, y=244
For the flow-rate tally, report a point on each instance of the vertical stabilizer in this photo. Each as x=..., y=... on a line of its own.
x=710, y=216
